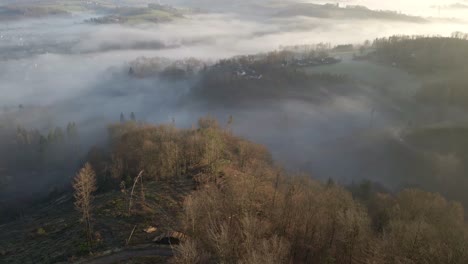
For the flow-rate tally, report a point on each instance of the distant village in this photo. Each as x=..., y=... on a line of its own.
x=251, y=67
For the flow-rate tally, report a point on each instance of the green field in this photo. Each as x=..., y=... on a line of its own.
x=372, y=74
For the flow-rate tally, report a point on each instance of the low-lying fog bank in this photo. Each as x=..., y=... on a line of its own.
x=62, y=70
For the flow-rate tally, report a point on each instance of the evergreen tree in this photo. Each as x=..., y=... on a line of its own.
x=229, y=124
x=71, y=130
x=42, y=143
x=50, y=136
x=58, y=134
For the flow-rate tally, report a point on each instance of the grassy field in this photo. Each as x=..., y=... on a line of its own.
x=150, y=16
x=380, y=76
x=138, y=15
x=50, y=8
x=134, y=12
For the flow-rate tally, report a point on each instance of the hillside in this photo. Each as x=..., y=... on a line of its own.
x=438, y=61
x=332, y=11
x=108, y=12
x=19, y=12
x=232, y=204
x=51, y=233
x=153, y=13
x=233, y=132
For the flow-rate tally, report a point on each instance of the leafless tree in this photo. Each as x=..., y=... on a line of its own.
x=142, y=194
x=84, y=185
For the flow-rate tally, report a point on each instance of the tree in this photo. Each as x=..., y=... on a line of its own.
x=58, y=134
x=84, y=185
x=139, y=178
x=42, y=143
x=122, y=118
x=133, y=117
x=71, y=130
x=330, y=183
x=229, y=124
x=426, y=228
x=362, y=49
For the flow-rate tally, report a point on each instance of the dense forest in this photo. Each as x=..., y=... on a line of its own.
x=349, y=11
x=245, y=209
x=259, y=214
x=34, y=158
x=431, y=151
x=440, y=61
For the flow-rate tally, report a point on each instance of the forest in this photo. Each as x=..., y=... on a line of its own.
x=439, y=60
x=347, y=12
x=217, y=131
x=144, y=175
x=258, y=212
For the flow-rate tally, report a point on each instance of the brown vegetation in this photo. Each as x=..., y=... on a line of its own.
x=253, y=218
x=84, y=185
x=246, y=210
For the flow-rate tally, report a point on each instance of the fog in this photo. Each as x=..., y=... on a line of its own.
x=45, y=57
x=78, y=71
x=426, y=8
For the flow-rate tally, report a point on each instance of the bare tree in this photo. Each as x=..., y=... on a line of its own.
x=142, y=194
x=84, y=185
x=229, y=125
